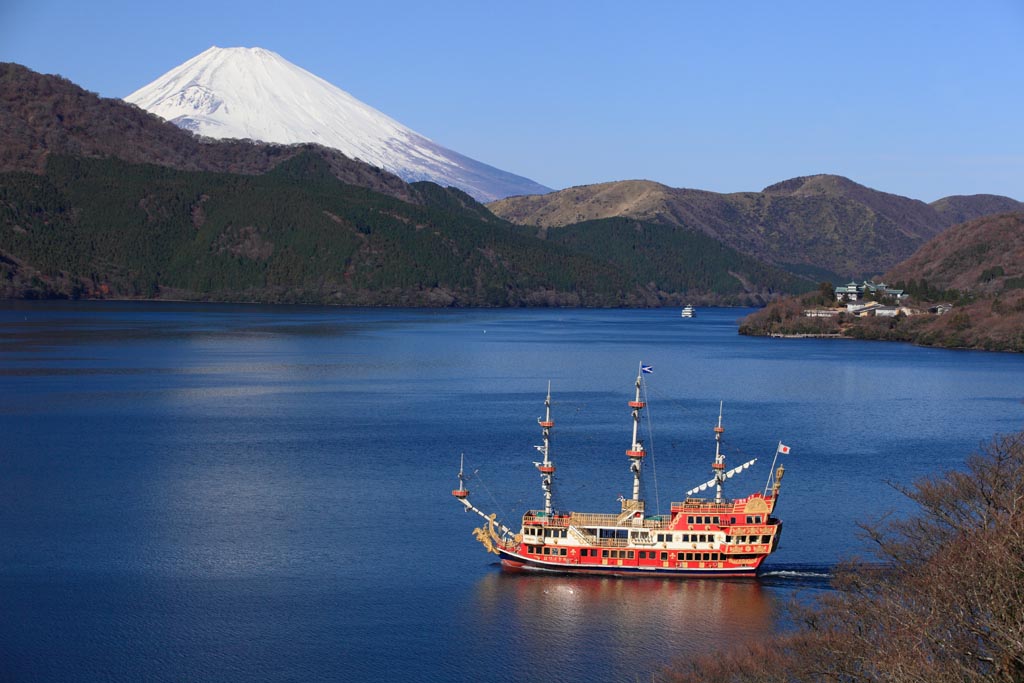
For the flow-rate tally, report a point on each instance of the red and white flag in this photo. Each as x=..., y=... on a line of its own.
x=783, y=449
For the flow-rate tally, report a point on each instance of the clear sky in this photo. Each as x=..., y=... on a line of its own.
x=923, y=99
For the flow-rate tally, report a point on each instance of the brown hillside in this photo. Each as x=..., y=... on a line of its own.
x=962, y=208
x=984, y=256
x=977, y=266
x=825, y=225
x=640, y=199
x=42, y=115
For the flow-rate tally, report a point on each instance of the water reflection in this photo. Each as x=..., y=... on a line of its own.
x=632, y=627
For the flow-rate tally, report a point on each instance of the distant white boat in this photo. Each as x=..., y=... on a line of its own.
x=688, y=311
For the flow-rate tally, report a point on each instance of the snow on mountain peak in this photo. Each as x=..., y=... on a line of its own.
x=254, y=93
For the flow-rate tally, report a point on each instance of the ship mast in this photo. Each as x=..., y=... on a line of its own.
x=546, y=467
x=636, y=453
x=718, y=466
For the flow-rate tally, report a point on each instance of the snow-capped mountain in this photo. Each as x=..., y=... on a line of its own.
x=257, y=94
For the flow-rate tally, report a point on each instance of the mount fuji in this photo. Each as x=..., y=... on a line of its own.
x=257, y=94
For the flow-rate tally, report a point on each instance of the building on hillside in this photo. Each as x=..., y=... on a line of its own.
x=873, y=308
x=821, y=312
x=862, y=310
x=854, y=292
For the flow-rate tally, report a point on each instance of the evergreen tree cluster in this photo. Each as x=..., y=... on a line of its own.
x=106, y=227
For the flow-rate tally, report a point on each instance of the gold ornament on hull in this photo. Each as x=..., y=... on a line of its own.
x=487, y=535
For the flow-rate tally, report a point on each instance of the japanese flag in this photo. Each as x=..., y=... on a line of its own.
x=783, y=449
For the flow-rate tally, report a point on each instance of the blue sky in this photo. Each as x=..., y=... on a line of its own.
x=922, y=99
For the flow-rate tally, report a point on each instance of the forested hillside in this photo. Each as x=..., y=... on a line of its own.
x=965, y=290
x=101, y=199
x=822, y=227
x=107, y=228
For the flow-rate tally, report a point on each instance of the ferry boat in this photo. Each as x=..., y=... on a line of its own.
x=700, y=537
x=688, y=311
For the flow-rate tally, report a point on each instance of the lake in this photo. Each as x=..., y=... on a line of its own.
x=238, y=493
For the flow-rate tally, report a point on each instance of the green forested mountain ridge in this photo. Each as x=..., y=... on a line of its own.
x=99, y=198
x=105, y=227
x=823, y=227
x=294, y=234
x=670, y=258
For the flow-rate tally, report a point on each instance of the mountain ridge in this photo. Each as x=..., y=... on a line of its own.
x=42, y=114
x=823, y=226
x=106, y=228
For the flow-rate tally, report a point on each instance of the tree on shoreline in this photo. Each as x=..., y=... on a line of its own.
x=944, y=600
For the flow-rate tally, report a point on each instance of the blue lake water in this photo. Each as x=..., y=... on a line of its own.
x=238, y=493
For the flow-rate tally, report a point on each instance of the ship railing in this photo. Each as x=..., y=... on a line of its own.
x=748, y=548
x=600, y=519
x=752, y=530
x=546, y=519
x=593, y=519
x=703, y=504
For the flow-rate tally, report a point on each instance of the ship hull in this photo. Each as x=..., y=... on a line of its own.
x=514, y=562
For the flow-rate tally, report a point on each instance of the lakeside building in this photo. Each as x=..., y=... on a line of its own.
x=854, y=292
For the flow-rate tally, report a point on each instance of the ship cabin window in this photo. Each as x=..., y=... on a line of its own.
x=766, y=539
x=631, y=555
x=732, y=520
x=689, y=556
x=664, y=556
x=604, y=553
x=715, y=520
x=665, y=538
x=561, y=551
x=706, y=557
x=680, y=556
x=689, y=519
x=702, y=538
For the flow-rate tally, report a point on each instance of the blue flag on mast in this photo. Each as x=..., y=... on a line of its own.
x=648, y=369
